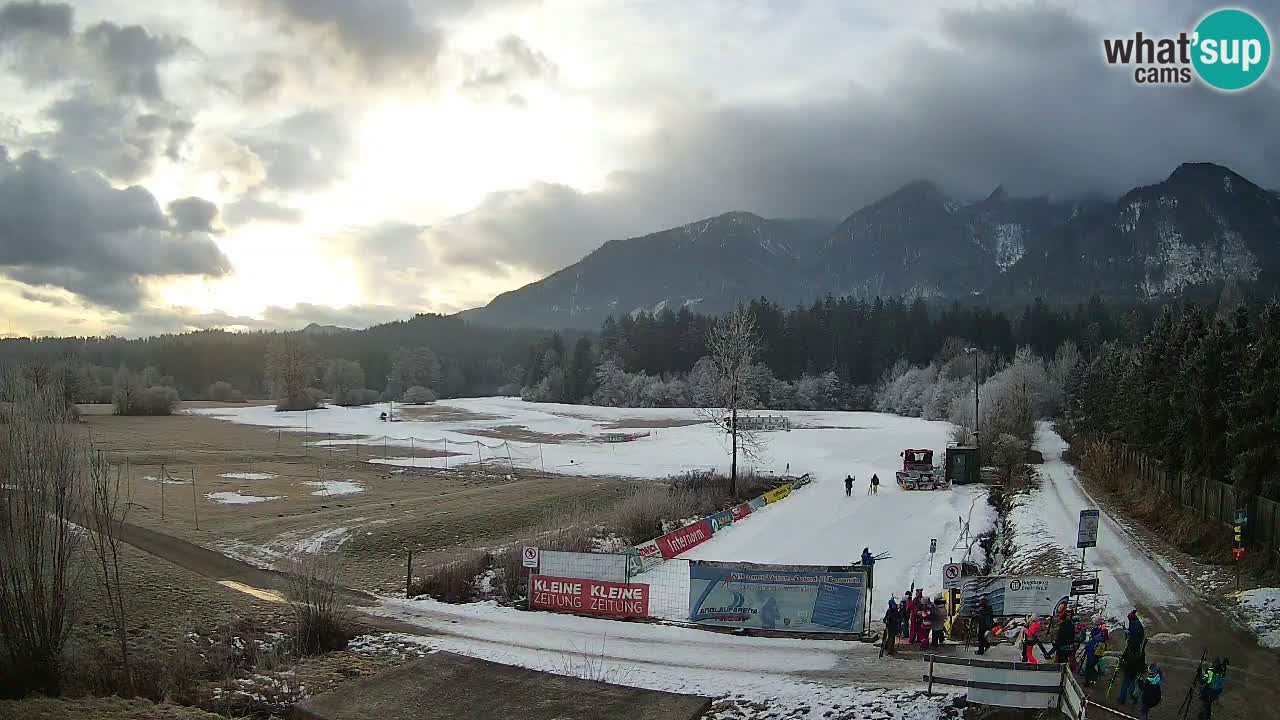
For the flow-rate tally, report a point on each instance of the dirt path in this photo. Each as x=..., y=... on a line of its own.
x=1180, y=623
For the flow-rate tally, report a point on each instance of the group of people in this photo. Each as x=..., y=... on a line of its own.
x=919, y=620
x=873, y=489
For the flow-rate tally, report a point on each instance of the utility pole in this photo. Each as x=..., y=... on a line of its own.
x=977, y=441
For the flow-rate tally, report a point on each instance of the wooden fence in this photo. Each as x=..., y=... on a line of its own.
x=1210, y=499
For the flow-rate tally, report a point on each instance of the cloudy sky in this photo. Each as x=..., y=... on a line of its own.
x=269, y=163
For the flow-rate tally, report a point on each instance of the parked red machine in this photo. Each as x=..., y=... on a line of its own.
x=918, y=471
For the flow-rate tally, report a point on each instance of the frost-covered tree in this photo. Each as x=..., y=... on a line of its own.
x=291, y=368
x=732, y=345
x=342, y=378
x=418, y=395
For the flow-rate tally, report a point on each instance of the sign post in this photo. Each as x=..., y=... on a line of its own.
x=1237, y=549
x=933, y=548
x=1087, y=535
x=529, y=560
x=951, y=576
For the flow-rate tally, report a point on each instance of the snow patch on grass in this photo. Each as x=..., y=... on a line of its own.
x=1261, y=608
x=166, y=481
x=248, y=476
x=235, y=498
x=335, y=487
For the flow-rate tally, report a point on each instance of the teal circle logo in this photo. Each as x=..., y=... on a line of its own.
x=1232, y=49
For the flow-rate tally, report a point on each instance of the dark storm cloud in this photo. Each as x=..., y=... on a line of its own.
x=252, y=208
x=193, y=214
x=36, y=40
x=75, y=231
x=303, y=152
x=113, y=135
x=130, y=57
x=383, y=35
x=1018, y=96
x=35, y=18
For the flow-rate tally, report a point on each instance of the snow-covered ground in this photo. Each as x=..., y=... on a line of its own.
x=828, y=443
x=247, y=475
x=235, y=498
x=335, y=487
x=781, y=674
x=1046, y=523
x=1261, y=608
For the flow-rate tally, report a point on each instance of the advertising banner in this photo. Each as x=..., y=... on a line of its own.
x=643, y=557
x=590, y=597
x=722, y=519
x=756, y=503
x=777, y=494
x=792, y=598
x=587, y=566
x=689, y=536
x=1009, y=596
x=740, y=511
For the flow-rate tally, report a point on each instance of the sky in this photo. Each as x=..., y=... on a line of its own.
x=270, y=163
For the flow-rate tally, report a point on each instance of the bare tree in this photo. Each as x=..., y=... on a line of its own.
x=291, y=363
x=108, y=508
x=732, y=344
x=42, y=465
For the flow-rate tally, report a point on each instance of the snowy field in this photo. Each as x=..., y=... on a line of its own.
x=817, y=525
x=1261, y=608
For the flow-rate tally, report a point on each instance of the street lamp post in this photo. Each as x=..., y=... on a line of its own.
x=977, y=441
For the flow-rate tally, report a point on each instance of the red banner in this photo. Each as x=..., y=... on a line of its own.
x=590, y=597
x=690, y=536
x=741, y=511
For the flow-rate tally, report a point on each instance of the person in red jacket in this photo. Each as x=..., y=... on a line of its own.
x=912, y=620
x=1030, y=639
x=925, y=611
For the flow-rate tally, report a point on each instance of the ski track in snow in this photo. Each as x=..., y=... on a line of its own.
x=1051, y=515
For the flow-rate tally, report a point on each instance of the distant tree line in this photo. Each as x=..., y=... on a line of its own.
x=1200, y=392
x=422, y=358
x=834, y=354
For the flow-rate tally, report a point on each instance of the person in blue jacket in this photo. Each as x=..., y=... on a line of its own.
x=1091, y=657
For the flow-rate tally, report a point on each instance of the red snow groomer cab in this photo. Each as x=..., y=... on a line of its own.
x=918, y=472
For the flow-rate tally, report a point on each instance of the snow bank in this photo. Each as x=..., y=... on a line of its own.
x=235, y=498
x=248, y=476
x=153, y=478
x=1261, y=608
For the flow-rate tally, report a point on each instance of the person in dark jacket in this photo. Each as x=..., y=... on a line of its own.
x=1132, y=662
x=1149, y=691
x=1064, y=643
x=986, y=623
x=904, y=607
x=867, y=558
x=848, y=485
x=874, y=489
x=1136, y=632
x=891, y=620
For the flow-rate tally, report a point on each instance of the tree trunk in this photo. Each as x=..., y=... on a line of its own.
x=733, y=468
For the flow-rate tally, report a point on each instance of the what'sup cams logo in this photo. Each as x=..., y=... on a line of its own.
x=1229, y=50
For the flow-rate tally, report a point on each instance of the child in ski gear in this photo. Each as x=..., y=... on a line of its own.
x=1211, y=685
x=1030, y=639
x=1132, y=663
x=926, y=623
x=1149, y=691
x=986, y=621
x=1091, y=655
x=848, y=485
x=891, y=619
x=875, y=484
x=939, y=621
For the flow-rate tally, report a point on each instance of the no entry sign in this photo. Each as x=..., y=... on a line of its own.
x=529, y=557
x=951, y=576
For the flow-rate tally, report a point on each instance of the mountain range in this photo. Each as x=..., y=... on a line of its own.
x=1200, y=226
